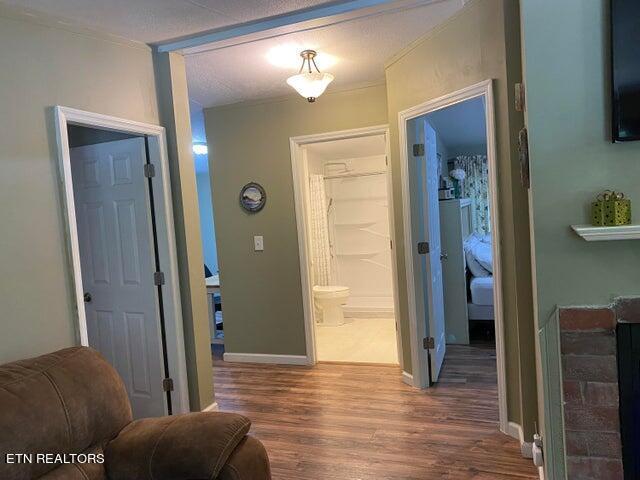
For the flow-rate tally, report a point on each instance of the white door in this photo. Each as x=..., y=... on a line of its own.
x=429, y=251
x=117, y=257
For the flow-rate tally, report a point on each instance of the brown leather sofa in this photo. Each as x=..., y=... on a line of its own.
x=73, y=402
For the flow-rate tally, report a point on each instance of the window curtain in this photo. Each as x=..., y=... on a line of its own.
x=475, y=186
x=320, y=247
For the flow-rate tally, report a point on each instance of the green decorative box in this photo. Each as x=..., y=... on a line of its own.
x=610, y=209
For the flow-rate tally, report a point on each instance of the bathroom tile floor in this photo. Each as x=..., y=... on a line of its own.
x=366, y=340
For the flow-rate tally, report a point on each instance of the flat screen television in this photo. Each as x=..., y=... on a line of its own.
x=625, y=61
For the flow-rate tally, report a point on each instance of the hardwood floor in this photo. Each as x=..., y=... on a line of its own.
x=360, y=422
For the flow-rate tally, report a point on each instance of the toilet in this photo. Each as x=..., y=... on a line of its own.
x=329, y=300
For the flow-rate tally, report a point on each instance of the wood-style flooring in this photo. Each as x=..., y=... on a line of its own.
x=361, y=422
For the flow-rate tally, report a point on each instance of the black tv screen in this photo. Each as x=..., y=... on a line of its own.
x=625, y=53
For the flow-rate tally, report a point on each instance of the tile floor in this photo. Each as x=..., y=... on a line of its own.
x=366, y=340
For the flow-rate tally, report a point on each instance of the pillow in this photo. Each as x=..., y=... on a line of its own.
x=474, y=266
x=483, y=254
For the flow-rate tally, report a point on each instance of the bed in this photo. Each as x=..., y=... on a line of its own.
x=478, y=256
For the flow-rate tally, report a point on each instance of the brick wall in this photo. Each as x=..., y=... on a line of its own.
x=590, y=390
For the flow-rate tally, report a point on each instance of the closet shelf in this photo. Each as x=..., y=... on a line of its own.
x=358, y=254
x=360, y=199
x=596, y=234
x=354, y=224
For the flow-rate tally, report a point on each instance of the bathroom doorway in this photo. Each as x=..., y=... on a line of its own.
x=345, y=229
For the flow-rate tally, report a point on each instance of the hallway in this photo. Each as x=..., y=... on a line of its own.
x=360, y=422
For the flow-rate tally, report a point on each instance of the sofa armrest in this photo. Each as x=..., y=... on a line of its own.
x=193, y=446
x=249, y=461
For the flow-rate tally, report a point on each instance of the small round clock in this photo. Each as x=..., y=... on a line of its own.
x=253, y=197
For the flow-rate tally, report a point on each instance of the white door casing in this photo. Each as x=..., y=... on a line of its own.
x=419, y=376
x=116, y=246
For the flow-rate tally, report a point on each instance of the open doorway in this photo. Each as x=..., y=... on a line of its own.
x=451, y=238
x=120, y=230
x=345, y=230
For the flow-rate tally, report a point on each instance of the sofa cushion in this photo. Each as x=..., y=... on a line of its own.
x=63, y=402
x=192, y=446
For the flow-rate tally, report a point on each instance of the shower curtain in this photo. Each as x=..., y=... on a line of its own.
x=320, y=247
x=476, y=187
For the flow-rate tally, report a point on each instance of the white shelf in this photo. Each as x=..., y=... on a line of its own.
x=596, y=234
x=354, y=224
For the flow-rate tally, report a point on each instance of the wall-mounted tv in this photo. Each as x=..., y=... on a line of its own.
x=625, y=60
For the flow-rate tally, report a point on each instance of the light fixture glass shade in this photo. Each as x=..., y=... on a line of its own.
x=310, y=84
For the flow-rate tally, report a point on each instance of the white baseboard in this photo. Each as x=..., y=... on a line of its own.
x=407, y=378
x=266, y=358
x=515, y=430
x=211, y=408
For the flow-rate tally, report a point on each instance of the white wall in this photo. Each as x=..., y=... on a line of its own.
x=359, y=231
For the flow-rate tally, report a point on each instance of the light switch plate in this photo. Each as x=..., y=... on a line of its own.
x=258, y=243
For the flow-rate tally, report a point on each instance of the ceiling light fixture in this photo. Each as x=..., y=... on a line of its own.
x=200, y=148
x=310, y=84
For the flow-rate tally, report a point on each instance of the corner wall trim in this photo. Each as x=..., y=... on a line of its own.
x=515, y=430
x=266, y=358
x=211, y=408
x=407, y=378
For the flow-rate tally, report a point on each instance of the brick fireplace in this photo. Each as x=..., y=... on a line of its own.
x=590, y=388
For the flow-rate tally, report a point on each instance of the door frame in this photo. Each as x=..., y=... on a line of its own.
x=417, y=328
x=65, y=116
x=300, y=193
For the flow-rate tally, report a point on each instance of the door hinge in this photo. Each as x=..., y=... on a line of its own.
x=167, y=384
x=149, y=170
x=428, y=343
x=386, y=160
x=423, y=248
x=418, y=149
x=520, y=97
x=391, y=244
x=158, y=278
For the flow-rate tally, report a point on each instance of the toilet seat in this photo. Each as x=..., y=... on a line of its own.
x=330, y=291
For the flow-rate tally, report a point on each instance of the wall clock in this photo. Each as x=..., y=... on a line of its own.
x=253, y=197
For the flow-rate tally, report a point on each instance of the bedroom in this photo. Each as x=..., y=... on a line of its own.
x=456, y=136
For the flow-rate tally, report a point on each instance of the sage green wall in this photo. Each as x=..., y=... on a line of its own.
x=173, y=100
x=566, y=46
x=473, y=46
x=42, y=66
x=261, y=291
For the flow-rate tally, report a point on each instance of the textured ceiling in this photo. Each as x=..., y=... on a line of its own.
x=358, y=49
x=243, y=72
x=152, y=21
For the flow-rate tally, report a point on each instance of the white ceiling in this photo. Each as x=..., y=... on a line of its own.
x=359, y=49
x=152, y=21
x=243, y=72
x=461, y=127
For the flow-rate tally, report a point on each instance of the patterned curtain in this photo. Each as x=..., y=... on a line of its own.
x=475, y=186
x=320, y=247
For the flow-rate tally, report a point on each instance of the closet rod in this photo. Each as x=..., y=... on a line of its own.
x=347, y=175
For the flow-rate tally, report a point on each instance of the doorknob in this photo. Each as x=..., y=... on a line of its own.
x=423, y=248
x=443, y=256
x=87, y=297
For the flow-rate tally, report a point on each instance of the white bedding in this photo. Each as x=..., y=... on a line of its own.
x=478, y=255
x=481, y=290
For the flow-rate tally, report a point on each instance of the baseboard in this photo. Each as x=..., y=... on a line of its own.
x=265, y=358
x=515, y=430
x=407, y=378
x=356, y=312
x=211, y=408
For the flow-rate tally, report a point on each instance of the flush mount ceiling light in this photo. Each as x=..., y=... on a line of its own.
x=200, y=148
x=310, y=84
